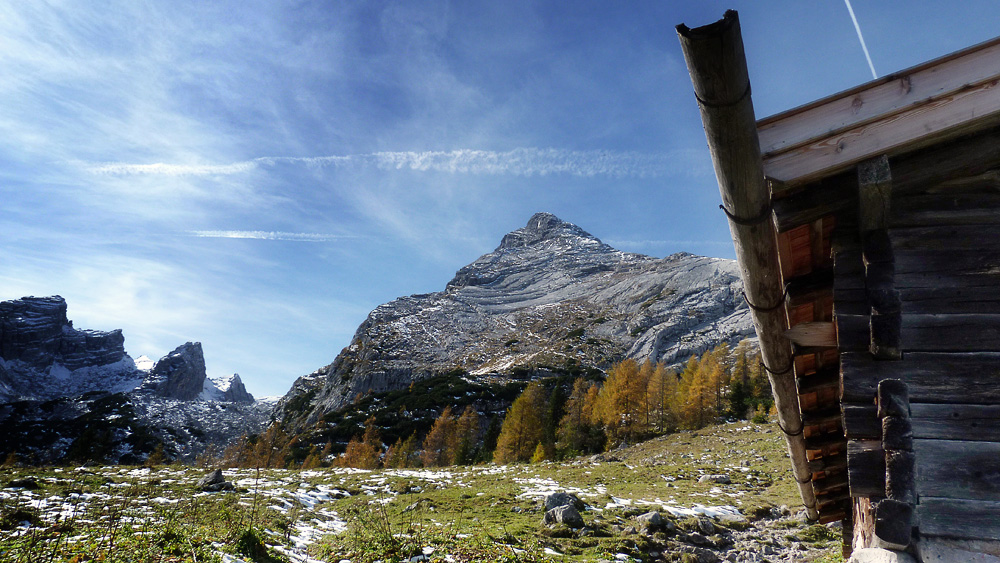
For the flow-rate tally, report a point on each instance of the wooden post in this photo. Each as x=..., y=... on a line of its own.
x=716, y=61
x=894, y=515
x=874, y=199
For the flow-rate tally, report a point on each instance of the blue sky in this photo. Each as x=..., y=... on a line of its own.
x=258, y=176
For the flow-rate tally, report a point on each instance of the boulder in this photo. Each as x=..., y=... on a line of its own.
x=566, y=515
x=650, y=521
x=720, y=479
x=556, y=500
x=214, y=482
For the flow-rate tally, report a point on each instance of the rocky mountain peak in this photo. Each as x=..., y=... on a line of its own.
x=550, y=296
x=181, y=373
x=236, y=392
x=543, y=226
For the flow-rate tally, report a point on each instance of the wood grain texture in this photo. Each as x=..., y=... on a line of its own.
x=861, y=422
x=866, y=468
x=949, y=116
x=956, y=422
x=961, y=378
x=877, y=99
x=951, y=333
x=934, y=210
x=820, y=334
x=959, y=518
x=942, y=300
x=958, y=469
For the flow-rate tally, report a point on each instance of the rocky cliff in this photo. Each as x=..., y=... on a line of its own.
x=42, y=356
x=68, y=394
x=550, y=296
x=181, y=373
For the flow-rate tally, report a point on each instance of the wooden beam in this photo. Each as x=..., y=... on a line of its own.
x=893, y=524
x=821, y=334
x=941, y=209
x=866, y=468
x=810, y=287
x=958, y=469
x=874, y=194
x=829, y=196
x=853, y=332
x=717, y=64
x=959, y=518
x=875, y=100
x=952, y=300
x=829, y=463
x=951, y=333
x=833, y=134
x=931, y=377
x=861, y=421
x=957, y=421
x=945, y=238
x=928, y=168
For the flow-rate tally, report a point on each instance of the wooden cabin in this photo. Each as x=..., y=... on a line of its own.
x=867, y=228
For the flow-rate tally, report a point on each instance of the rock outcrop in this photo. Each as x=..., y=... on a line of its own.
x=550, y=296
x=181, y=373
x=233, y=391
x=43, y=356
x=68, y=394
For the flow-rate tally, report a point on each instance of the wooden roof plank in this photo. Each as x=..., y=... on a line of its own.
x=876, y=100
x=963, y=111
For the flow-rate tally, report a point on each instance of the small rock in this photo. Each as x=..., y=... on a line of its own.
x=698, y=539
x=721, y=479
x=210, y=479
x=706, y=526
x=217, y=487
x=556, y=500
x=567, y=515
x=214, y=482
x=630, y=531
x=516, y=509
x=650, y=521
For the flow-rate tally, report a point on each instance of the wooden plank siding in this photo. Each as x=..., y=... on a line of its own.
x=925, y=286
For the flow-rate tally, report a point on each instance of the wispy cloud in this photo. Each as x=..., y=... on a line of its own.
x=516, y=162
x=271, y=235
x=617, y=243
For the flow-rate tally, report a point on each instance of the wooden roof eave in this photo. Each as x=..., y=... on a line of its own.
x=938, y=100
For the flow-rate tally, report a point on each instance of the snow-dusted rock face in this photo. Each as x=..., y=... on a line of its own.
x=42, y=356
x=181, y=373
x=229, y=389
x=551, y=295
x=75, y=394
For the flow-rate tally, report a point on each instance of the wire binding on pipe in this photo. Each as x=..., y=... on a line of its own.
x=791, y=364
x=717, y=105
x=774, y=307
x=792, y=434
x=764, y=215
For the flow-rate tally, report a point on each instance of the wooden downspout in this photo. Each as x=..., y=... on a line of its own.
x=716, y=61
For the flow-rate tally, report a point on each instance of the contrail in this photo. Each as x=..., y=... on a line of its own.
x=861, y=37
x=517, y=162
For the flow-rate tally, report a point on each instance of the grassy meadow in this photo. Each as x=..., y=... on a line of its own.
x=452, y=514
